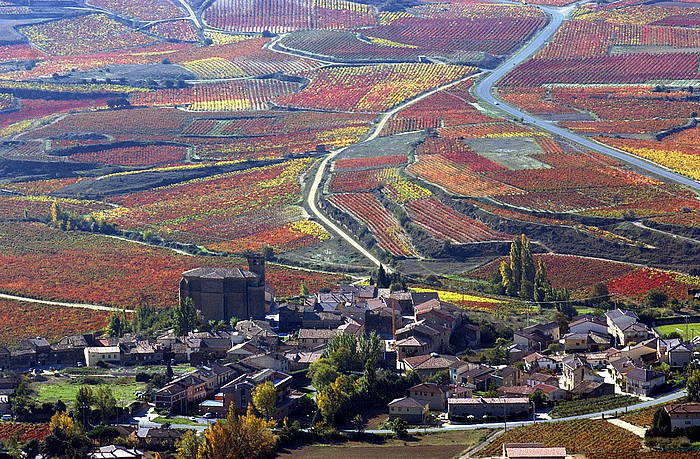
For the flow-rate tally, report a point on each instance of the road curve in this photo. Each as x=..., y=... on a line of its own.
x=484, y=91
x=94, y=307
x=311, y=199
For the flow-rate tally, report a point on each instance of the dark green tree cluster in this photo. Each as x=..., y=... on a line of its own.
x=518, y=272
x=67, y=221
x=348, y=379
x=352, y=353
x=394, y=280
x=187, y=317
x=519, y=276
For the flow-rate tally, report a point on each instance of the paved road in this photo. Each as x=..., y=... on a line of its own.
x=94, y=307
x=193, y=16
x=484, y=91
x=499, y=425
x=322, y=169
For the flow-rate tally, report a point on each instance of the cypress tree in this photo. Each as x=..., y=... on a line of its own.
x=542, y=285
x=516, y=264
x=507, y=278
x=527, y=280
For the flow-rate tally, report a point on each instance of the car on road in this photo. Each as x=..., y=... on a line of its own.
x=6, y=417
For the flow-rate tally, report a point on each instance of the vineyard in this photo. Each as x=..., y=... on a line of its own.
x=23, y=432
x=383, y=225
x=607, y=69
x=147, y=10
x=228, y=96
x=449, y=225
x=582, y=436
x=19, y=321
x=52, y=264
x=218, y=210
x=83, y=35
x=579, y=274
x=370, y=88
x=279, y=16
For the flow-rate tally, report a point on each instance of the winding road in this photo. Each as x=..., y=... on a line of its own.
x=484, y=90
x=312, y=196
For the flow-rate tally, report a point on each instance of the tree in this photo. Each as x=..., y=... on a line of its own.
x=67, y=440
x=656, y=298
x=542, y=285
x=516, y=263
x=62, y=421
x=322, y=373
x=661, y=423
x=265, y=399
x=186, y=317
x=538, y=398
x=240, y=437
x=358, y=423
x=509, y=286
x=527, y=280
x=398, y=426
x=383, y=281
x=692, y=385
x=83, y=401
x=114, y=326
x=332, y=400
x=187, y=446
x=169, y=373
x=31, y=449
x=105, y=402
x=440, y=377
x=600, y=295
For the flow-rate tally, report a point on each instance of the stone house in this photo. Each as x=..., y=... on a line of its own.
x=410, y=410
x=310, y=338
x=684, y=415
x=462, y=408
x=436, y=395
x=641, y=381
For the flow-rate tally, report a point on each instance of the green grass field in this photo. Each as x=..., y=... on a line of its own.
x=65, y=389
x=178, y=421
x=693, y=330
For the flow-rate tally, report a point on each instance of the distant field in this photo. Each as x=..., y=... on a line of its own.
x=440, y=445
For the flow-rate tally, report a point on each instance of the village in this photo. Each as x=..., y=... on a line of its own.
x=423, y=347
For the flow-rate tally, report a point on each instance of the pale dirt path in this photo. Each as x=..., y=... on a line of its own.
x=94, y=307
x=638, y=431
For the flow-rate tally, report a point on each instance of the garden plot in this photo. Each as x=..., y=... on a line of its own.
x=400, y=144
x=513, y=153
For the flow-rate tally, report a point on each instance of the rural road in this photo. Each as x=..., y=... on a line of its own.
x=94, y=307
x=311, y=200
x=193, y=16
x=499, y=425
x=484, y=90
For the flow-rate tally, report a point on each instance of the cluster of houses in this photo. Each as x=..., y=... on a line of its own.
x=586, y=364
